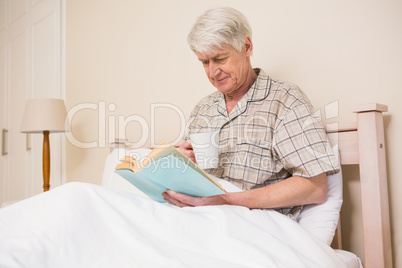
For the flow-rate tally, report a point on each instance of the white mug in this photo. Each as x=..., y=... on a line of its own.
x=205, y=146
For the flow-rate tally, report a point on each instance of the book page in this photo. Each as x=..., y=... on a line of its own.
x=128, y=162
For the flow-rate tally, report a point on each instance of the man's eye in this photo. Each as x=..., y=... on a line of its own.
x=219, y=60
x=205, y=63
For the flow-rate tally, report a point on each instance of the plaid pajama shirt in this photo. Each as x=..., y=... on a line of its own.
x=270, y=135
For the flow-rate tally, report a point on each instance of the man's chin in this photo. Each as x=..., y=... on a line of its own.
x=224, y=90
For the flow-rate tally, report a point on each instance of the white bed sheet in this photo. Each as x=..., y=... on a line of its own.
x=114, y=181
x=84, y=225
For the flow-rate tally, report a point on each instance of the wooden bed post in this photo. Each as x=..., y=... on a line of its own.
x=374, y=187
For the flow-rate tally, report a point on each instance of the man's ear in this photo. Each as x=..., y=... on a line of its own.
x=248, y=45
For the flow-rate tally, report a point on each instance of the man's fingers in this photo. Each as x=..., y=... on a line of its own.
x=170, y=197
x=186, y=145
x=187, y=149
x=182, y=198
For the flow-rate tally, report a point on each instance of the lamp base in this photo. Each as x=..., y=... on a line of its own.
x=46, y=161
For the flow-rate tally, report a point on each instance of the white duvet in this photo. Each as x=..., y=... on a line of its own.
x=84, y=225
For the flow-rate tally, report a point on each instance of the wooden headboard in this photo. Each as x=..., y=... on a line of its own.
x=362, y=143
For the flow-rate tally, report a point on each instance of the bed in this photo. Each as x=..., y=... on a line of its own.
x=114, y=225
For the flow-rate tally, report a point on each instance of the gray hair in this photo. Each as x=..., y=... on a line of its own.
x=219, y=27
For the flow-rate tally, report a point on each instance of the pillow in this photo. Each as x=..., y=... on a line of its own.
x=321, y=220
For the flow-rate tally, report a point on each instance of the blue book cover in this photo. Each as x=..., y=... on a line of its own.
x=167, y=168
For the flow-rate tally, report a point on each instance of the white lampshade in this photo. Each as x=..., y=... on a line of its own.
x=45, y=115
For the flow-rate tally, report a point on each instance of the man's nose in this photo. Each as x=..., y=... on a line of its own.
x=213, y=69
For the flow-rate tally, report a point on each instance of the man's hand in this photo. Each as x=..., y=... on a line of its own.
x=182, y=200
x=187, y=149
x=294, y=191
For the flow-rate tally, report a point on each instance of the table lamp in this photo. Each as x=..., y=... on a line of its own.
x=45, y=116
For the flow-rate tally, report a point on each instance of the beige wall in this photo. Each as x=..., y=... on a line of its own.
x=133, y=54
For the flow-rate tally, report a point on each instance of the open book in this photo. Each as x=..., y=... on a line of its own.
x=165, y=168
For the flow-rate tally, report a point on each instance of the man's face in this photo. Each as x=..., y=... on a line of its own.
x=227, y=69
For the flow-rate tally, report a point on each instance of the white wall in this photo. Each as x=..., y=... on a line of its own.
x=134, y=53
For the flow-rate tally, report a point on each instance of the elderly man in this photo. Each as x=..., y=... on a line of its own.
x=271, y=145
